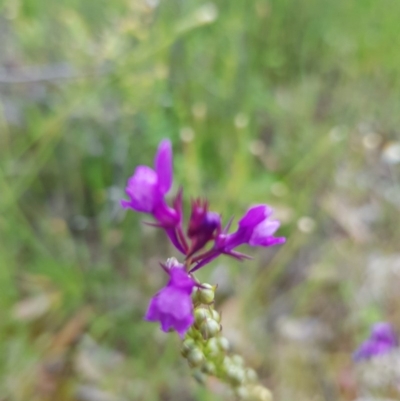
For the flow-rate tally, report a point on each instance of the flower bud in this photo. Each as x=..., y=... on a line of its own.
x=200, y=315
x=193, y=333
x=251, y=375
x=209, y=328
x=235, y=375
x=260, y=393
x=212, y=347
x=206, y=293
x=200, y=376
x=209, y=368
x=223, y=344
x=242, y=392
x=187, y=345
x=195, y=297
x=195, y=357
x=237, y=360
x=215, y=315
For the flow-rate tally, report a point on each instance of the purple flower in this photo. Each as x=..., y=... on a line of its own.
x=255, y=229
x=147, y=188
x=173, y=306
x=381, y=341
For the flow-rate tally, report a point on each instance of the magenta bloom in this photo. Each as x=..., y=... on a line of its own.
x=381, y=341
x=147, y=188
x=255, y=229
x=172, y=306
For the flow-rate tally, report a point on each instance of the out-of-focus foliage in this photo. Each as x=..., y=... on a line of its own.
x=290, y=103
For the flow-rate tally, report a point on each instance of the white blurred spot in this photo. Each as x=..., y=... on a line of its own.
x=391, y=153
x=306, y=224
x=94, y=362
x=115, y=193
x=199, y=110
x=11, y=9
x=380, y=371
x=371, y=141
x=392, y=194
x=186, y=134
x=207, y=13
x=283, y=213
x=241, y=121
x=303, y=330
x=336, y=134
x=257, y=147
x=152, y=3
x=380, y=278
x=85, y=392
x=32, y=308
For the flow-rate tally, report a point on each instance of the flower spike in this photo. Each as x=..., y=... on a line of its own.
x=172, y=306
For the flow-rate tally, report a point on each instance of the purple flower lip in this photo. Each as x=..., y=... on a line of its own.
x=382, y=340
x=255, y=229
x=147, y=187
x=172, y=306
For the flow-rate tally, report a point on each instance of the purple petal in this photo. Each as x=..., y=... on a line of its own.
x=173, y=237
x=168, y=217
x=163, y=165
x=205, y=261
x=239, y=255
x=381, y=341
x=271, y=241
x=263, y=232
x=182, y=326
x=371, y=348
x=143, y=190
x=178, y=203
x=384, y=332
x=153, y=313
x=181, y=279
x=173, y=308
x=125, y=204
x=227, y=227
x=255, y=215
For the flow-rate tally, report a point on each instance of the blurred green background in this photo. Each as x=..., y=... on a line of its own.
x=294, y=104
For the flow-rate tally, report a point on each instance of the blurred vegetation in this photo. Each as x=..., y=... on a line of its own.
x=295, y=104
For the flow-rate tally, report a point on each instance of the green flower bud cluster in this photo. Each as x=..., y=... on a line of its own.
x=208, y=352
